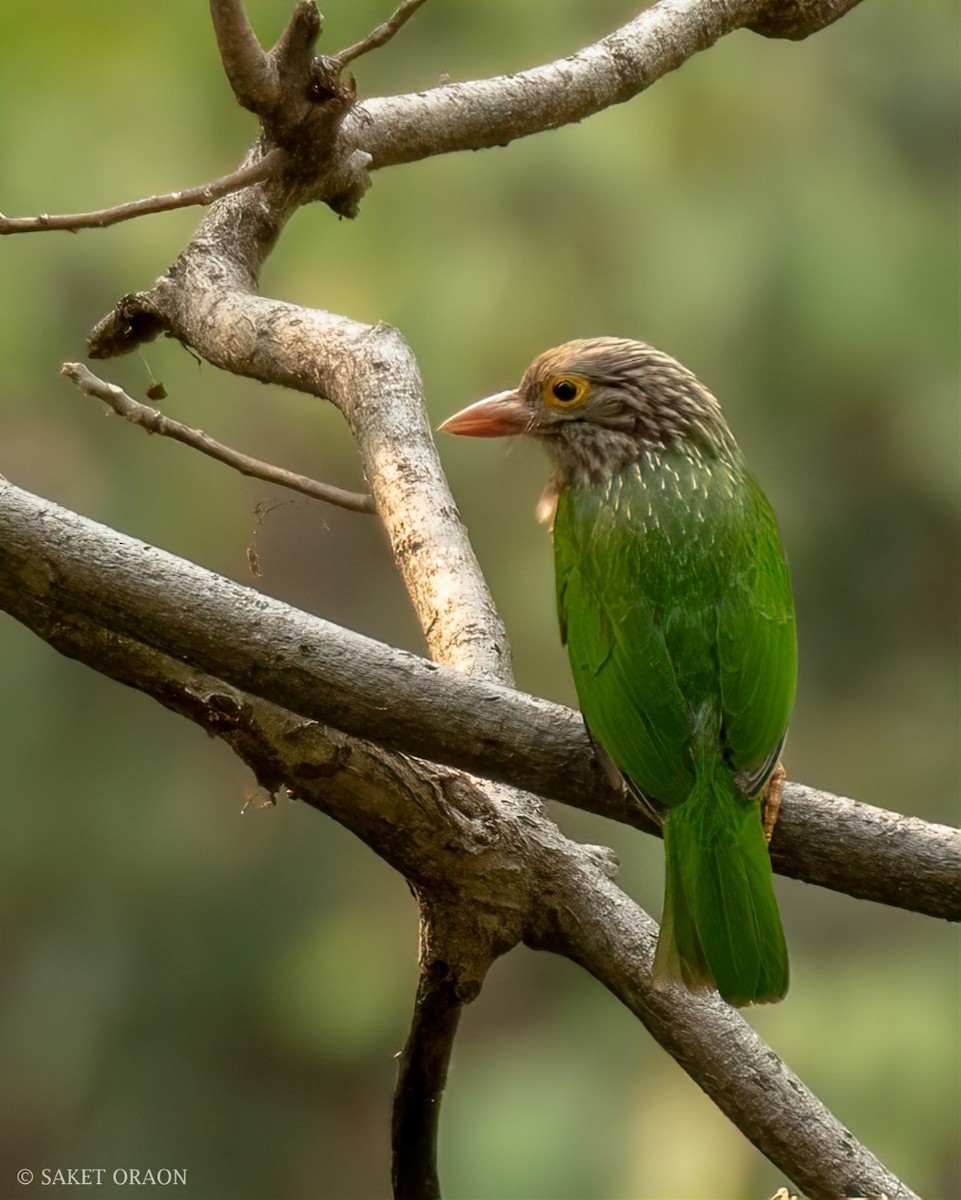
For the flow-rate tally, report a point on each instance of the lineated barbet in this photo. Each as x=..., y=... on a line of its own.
x=675, y=604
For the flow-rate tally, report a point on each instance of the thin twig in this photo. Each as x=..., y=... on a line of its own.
x=155, y=422
x=379, y=36
x=204, y=194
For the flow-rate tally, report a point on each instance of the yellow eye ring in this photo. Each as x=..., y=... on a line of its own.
x=564, y=391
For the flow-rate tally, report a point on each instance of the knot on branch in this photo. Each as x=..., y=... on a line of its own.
x=287, y=87
x=131, y=322
x=339, y=181
x=328, y=84
x=798, y=19
x=301, y=98
x=344, y=186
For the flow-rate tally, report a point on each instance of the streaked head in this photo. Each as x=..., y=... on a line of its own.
x=598, y=404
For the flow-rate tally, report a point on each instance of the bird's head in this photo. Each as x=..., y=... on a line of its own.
x=599, y=404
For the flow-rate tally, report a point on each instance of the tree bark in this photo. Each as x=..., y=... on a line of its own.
x=53, y=562
x=494, y=856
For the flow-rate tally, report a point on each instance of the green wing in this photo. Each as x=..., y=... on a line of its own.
x=757, y=647
x=673, y=595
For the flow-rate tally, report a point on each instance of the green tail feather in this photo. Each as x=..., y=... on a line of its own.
x=721, y=922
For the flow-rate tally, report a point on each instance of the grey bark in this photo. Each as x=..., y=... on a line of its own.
x=491, y=870
x=53, y=561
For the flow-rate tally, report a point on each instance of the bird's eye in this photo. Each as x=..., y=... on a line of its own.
x=564, y=391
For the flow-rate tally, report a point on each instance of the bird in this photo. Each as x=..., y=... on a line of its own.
x=676, y=608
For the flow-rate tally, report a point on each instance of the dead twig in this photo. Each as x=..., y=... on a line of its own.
x=379, y=36
x=155, y=422
x=205, y=194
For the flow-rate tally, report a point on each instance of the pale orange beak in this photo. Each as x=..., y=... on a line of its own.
x=503, y=415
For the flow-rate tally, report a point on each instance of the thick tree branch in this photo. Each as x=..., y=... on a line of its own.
x=446, y=984
x=252, y=76
x=511, y=871
x=156, y=422
x=369, y=373
x=52, y=563
x=422, y=1075
x=494, y=112
x=774, y=1108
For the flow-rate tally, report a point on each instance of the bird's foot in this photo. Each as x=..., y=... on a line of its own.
x=771, y=800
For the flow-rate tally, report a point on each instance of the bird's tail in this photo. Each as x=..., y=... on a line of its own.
x=721, y=923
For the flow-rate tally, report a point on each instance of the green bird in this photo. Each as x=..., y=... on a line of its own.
x=675, y=605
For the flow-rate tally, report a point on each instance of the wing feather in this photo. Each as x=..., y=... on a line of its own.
x=670, y=597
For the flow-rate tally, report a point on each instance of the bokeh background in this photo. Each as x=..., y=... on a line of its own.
x=186, y=984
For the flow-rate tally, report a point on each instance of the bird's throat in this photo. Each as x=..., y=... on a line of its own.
x=585, y=454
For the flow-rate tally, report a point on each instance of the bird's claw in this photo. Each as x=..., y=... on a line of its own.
x=771, y=800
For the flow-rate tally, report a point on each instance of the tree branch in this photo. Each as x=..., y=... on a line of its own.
x=493, y=112
x=249, y=72
x=406, y=703
x=447, y=982
x=797, y=19
x=156, y=422
x=292, y=56
x=379, y=36
x=245, y=175
x=370, y=374
x=507, y=866
x=773, y=1107
x=422, y=1075
x=338, y=142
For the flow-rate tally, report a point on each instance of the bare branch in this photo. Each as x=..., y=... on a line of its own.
x=771, y=1106
x=370, y=374
x=406, y=703
x=447, y=982
x=379, y=36
x=207, y=193
x=292, y=54
x=298, y=96
x=156, y=422
x=422, y=1075
x=509, y=865
x=249, y=73
x=346, y=140
x=494, y=112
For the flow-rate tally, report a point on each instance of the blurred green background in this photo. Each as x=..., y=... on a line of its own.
x=188, y=985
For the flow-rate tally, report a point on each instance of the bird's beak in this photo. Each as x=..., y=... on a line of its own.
x=502, y=415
